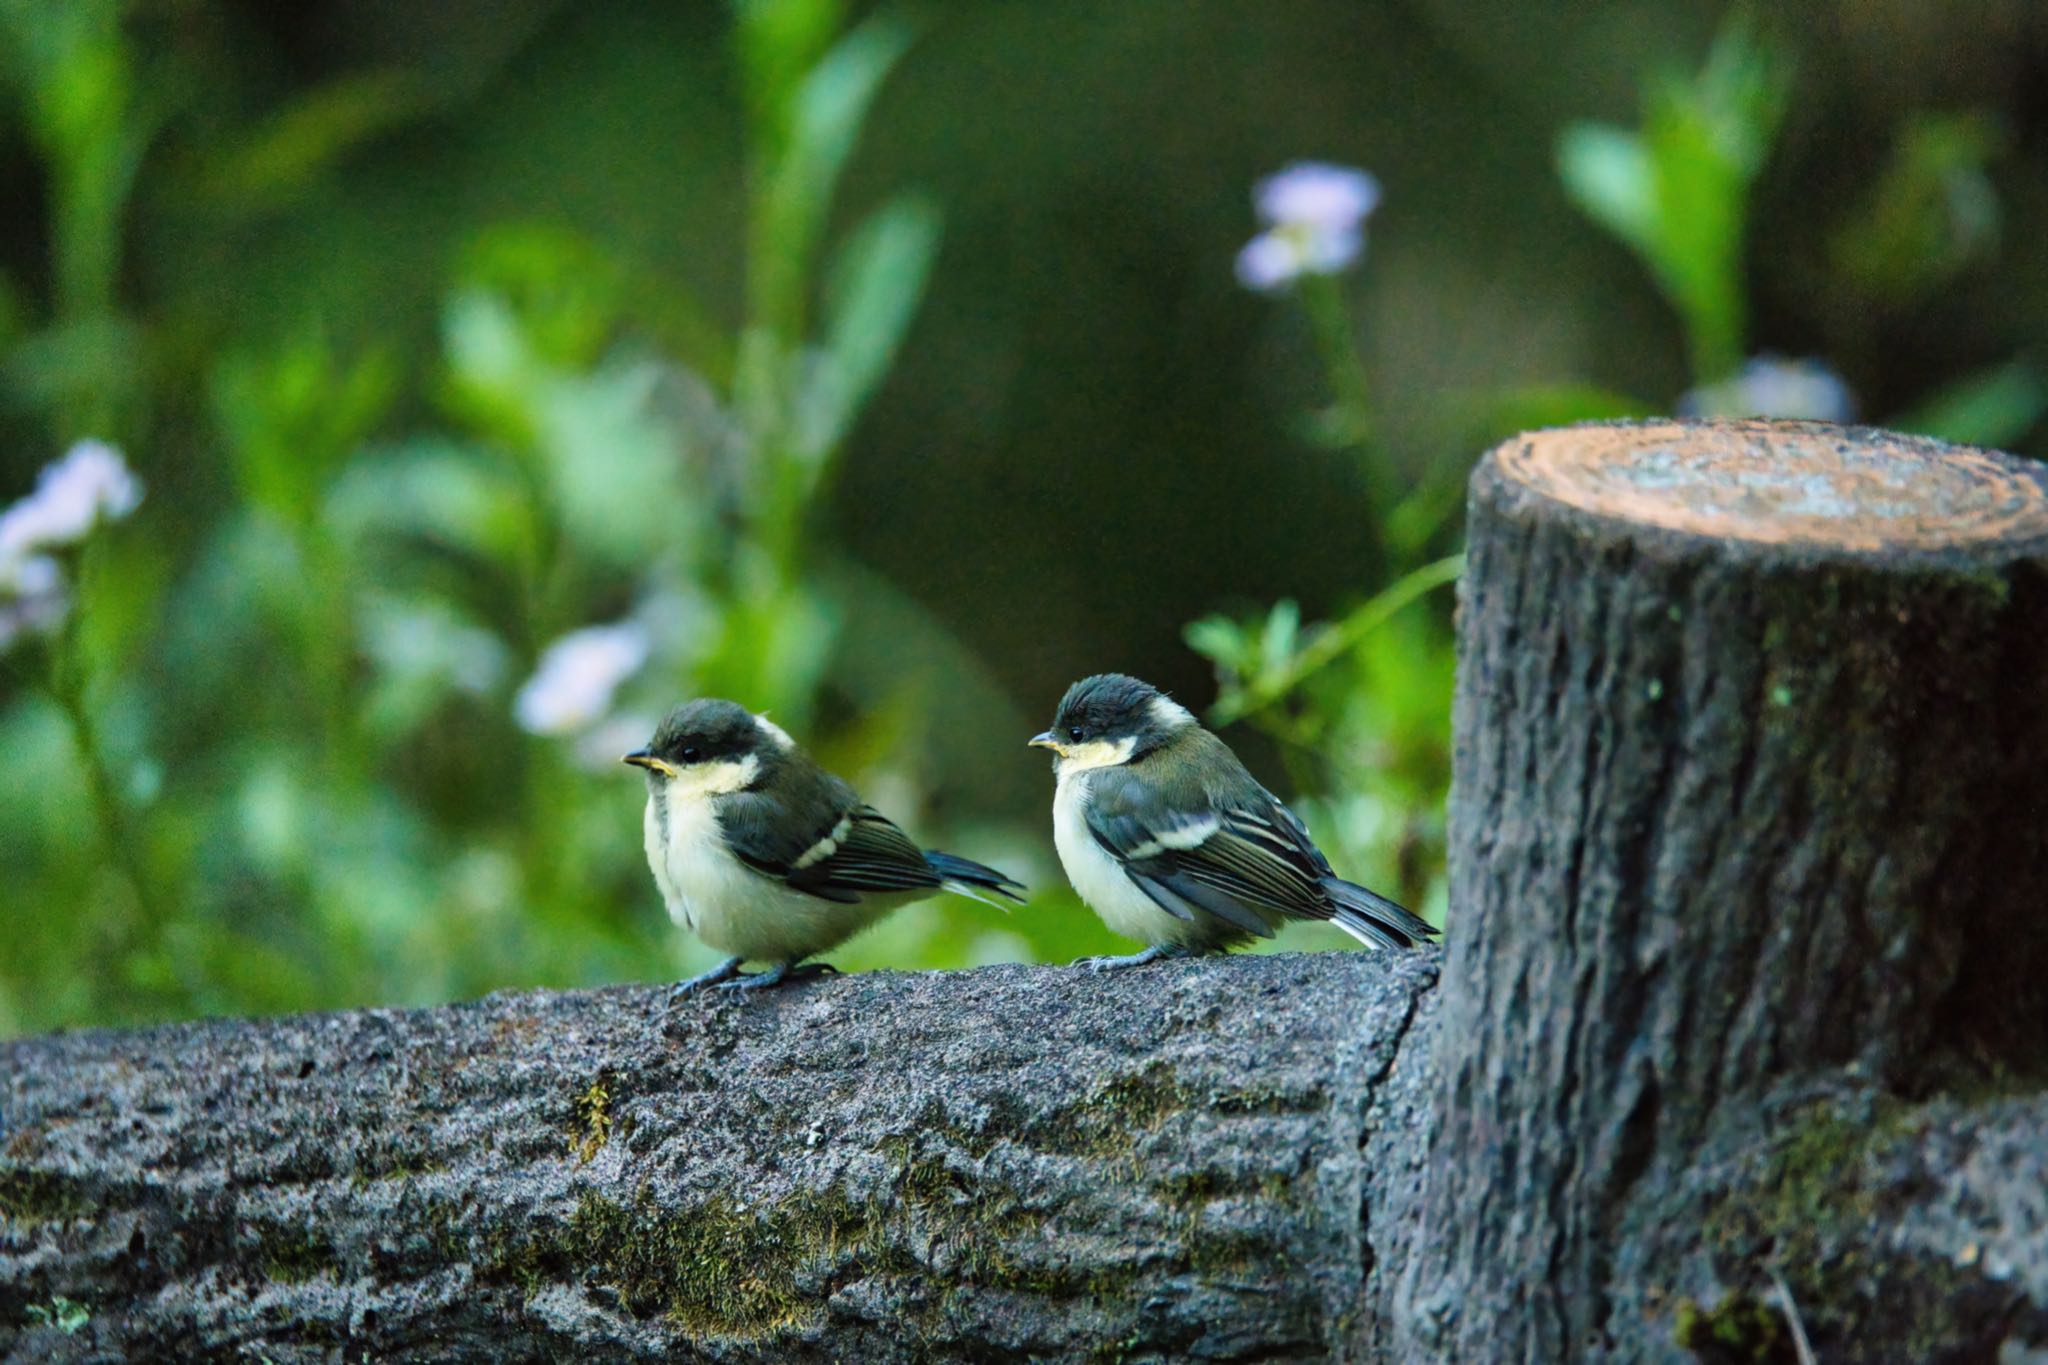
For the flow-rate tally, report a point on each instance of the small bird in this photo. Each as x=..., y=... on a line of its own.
x=766, y=856
x=1167, y=837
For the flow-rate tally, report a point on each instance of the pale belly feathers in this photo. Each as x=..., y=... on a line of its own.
x=1102, y=882
x=730, y=906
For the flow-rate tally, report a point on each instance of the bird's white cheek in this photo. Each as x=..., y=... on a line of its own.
x=700, y=781
x=1076, y=759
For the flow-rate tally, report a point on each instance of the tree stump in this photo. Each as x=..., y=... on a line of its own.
x=1751, y=781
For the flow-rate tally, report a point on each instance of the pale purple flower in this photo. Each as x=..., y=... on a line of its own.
x=1772, y=386
x=1315, y=224
x=572, y=689
x=33, y=597
x=91, y=484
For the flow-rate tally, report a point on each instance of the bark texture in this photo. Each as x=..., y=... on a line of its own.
x=1002, y=1164
x=1749, y=784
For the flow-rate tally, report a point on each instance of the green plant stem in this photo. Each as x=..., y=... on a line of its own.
x=1340, y=639
x=1337, y=342
x=68, y=690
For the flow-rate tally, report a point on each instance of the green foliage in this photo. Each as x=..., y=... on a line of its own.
x=1931, y=213
x=323, y=798
x=275, y=759
x=1993, y=407
x=1677, y=190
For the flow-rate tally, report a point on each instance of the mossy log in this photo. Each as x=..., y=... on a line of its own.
x=1751, y=784
x=1744, y=1002
x=1007, y=1163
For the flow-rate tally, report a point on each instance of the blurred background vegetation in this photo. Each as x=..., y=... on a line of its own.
x=498, y=374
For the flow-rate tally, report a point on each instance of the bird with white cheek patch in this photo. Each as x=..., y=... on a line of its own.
x=764, y=855
x=1167, y=837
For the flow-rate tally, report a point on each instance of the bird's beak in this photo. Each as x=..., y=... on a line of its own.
x=1043, y=740
x=640, y=758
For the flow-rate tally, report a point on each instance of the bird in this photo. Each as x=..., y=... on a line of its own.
x=764, y=855
x=1172, y=842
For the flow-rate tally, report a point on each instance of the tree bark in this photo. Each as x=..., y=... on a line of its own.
x=1742, y=1024
x=1002, y=1164
x=1749, y=783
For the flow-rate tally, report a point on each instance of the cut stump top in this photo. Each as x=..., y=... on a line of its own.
x=1786, y=483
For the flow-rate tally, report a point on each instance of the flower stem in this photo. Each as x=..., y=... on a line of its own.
x=1323, y=297
x=67, y=688
x=1340, y=638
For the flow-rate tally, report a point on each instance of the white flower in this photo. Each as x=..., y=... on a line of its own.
x=33, y=597
x=1315, y=224
x=1771, y=386
x=89, y=485
x=572, y=688
x=31, y=576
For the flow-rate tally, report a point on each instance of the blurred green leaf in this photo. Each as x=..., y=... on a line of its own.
x=80, y=365
x=777, y=41
x=1534, y=406
x=1607, y=172
x=830, y=105
x=1993, y=407
x=492, y=368
x=1677, y=193
x=292, y=414
x=871, y=295
x=1929, y=215
x=564, y=294
x=426, y=650
x=435, y=492
x=1223, y=642
x=13, y=313
x=294, y=147
x=75, y=68
x=614, y=466
x=1283, y=629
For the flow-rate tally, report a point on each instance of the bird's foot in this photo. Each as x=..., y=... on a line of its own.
x=1155, y=953
x=724, y=971
x=781, y=974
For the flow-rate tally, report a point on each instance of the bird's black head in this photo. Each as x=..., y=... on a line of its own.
x=1111, y=718
x=714, y=741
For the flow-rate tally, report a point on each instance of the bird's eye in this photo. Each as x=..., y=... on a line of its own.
x=1074, y=732
x=690, y=754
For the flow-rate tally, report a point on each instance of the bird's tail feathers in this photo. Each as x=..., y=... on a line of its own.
x=965, y=877
x=1371, y=918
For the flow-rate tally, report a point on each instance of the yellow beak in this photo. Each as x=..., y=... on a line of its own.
x=1044, y=740
x=640, y=758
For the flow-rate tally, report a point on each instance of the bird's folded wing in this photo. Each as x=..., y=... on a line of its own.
x=1244, y=863
x=844, y=849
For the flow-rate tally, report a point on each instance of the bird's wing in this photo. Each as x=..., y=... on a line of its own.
x=825, y=842
x=1242, y=857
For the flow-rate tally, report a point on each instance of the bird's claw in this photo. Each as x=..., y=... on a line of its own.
x=683, y=990
x=1104, y=964
x=782, y=974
